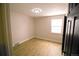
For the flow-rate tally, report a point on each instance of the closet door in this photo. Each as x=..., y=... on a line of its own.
x=67, y=37
x=75, y=45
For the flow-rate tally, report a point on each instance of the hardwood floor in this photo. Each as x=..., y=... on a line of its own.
x=37, y=47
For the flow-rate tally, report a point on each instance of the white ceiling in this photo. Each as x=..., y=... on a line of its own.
x=49, y=9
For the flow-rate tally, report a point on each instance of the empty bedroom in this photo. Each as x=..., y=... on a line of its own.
x=37, y=28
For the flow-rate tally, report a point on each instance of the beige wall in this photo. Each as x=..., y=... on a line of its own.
x=43, y=28
x=22, y=27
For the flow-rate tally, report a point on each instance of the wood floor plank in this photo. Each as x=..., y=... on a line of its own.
x=37, y=47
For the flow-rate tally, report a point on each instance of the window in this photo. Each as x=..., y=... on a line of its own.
x=56, y=26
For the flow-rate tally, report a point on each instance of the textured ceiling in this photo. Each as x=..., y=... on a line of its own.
x=49, y=9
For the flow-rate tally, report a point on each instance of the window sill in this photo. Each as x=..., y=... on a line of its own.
x=56, y=33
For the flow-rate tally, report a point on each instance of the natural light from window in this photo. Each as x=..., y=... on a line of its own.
x=56, y=25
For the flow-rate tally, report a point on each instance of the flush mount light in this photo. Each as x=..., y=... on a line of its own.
x=36, y=10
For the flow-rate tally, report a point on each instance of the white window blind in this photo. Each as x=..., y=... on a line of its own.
x=56, y=25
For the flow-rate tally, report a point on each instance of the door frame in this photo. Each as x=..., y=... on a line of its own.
x=6, y=29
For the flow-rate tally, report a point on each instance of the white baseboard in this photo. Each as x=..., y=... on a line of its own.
x=23, y=41
x=36, y=37
x=48, y=39
x=26, y=39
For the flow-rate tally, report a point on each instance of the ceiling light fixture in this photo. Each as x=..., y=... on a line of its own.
x=36, y=10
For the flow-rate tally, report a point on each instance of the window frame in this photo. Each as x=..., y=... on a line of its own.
x=53, y=26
